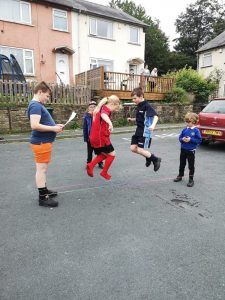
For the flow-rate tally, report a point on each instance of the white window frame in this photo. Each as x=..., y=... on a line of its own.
x=98, y=60
x=28, y=58
x=54, y=10
x=24, y=59
x=21, y=14
x=207, y=59
x=138, y=32
x=95, y=31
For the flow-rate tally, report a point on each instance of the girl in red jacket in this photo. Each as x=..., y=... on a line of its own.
x=100, y=135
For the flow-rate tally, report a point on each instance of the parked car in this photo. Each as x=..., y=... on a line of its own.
x=212, y=121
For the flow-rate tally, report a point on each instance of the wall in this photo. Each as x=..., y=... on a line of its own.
x=14, y=119
x=118, y=49
x=40, y=37
x=218, y=62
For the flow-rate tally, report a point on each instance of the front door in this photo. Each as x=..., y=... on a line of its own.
x=62, y=68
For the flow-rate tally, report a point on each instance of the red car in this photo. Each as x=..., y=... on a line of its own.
x=212, y=121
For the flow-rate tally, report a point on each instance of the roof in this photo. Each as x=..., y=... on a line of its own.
x=64, y=3
x=95, y=9
x=90, y=8
x=217, y=42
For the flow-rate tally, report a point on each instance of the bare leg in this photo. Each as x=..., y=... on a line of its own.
x=141, y=151
x=41, y=169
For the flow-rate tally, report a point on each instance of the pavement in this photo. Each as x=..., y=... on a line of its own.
x=25, y=137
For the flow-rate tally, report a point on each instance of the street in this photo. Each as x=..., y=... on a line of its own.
x=138, y=236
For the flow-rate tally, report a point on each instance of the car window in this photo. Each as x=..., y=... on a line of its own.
x=216, y=106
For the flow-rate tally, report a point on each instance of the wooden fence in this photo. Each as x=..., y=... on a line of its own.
x=21, y=92
x=93, y=78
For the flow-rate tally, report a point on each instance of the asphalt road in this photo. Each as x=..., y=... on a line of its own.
x=139, y=236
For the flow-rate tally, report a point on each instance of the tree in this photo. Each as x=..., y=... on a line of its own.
x=201, y=22
x=178, y=60
x=156, y=42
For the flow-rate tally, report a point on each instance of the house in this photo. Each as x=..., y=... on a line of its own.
x=38, y=34
x=211, y=57
x=106, y=36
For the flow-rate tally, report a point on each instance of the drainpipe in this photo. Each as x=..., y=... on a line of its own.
x=78, y=40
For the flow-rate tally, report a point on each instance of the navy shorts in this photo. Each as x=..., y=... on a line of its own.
x=140, y=141
x=106, y=149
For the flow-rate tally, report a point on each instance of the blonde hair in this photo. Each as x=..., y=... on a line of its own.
x=113, y=99
x=190, y=116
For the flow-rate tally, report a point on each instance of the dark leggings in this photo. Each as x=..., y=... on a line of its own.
x=190, y=157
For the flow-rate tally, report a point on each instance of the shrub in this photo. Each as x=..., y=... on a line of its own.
x=120, y=122
x=192, y=82
x=177, y=94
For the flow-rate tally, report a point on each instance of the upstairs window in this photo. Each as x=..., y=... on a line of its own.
x=207, y=59
x=15, y=11
x=60, y=21
x=134, y=35
x=101, y=28
x=24, y=57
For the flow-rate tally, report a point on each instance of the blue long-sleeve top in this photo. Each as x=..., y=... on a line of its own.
x=147, y=133
x=195, y=140
x=86, y=125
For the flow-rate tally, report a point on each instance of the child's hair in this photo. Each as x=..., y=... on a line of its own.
x=137, y=92
x=111, y=99
x=43, y=87
x=190, y=116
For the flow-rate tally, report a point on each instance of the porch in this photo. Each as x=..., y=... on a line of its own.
x=121, y=84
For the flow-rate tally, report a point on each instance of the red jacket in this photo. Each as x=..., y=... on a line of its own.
x=100, y=134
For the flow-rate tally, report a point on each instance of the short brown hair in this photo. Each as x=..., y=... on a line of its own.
x=190, y=116
x=138, y=92
x=42, y=86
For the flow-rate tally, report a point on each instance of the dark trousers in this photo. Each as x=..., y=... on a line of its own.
x=184, y=157
x=90, y=150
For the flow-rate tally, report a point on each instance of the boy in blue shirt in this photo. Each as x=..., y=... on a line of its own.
x=44, y=131
x=189, y=138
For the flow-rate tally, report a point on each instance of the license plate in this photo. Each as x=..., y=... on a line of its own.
x=212, y=132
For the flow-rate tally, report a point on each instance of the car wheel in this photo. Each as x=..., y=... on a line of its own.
x=205, y=142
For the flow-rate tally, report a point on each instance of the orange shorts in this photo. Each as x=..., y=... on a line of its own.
x=42, y=152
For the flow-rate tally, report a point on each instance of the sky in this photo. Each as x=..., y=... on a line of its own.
x=166, y=11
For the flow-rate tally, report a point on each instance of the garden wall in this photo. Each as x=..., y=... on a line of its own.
x=13, y=117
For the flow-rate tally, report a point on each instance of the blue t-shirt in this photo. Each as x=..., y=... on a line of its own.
x=195, y=140
x=37, y=137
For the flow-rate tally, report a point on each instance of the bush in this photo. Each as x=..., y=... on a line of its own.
x=120, y=122
x=192, y=82
x=177, y=94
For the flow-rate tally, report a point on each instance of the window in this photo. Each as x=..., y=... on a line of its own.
x=107, y=64
x=24, y=57
x=15, y=11
x=101, y=28
x=132, y=69
x=134, y=35
x=207, y=60
x=60, y=21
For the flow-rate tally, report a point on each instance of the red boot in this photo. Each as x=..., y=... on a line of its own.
x=95, y=161
x=108, y=162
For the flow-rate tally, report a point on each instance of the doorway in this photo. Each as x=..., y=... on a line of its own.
x=62, y=68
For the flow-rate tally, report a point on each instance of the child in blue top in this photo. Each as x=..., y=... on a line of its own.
x=189, y=138
x=87, y=123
